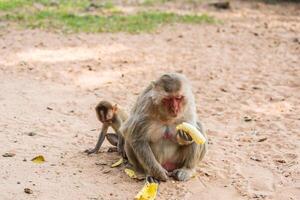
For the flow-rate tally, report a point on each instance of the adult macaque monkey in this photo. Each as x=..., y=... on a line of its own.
x=152, y=144
x=110, y=116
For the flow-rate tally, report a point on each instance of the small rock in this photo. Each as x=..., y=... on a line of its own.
x=255, y=159
x=49, y=108
x=28, y=191
x=100, y=163
x=106, y=171
x=18, y=182
x=221, y=5
x=206, y=174
x=281, y=161
x=9, y=154
x=223, y=90
x=247, y=119
x=296, y=40
x=31, y=134
x=24, y=160
x=262, y=139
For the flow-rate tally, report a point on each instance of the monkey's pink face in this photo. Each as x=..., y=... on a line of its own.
x=173, y=104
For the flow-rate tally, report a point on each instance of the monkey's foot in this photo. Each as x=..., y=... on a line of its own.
x=90, y=151
x=112, y=149
x=151, y=179
x=181, y=174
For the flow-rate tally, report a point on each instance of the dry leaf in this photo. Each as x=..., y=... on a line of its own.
x=39, y=159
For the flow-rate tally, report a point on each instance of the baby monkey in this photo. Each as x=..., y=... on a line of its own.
x=110, y=116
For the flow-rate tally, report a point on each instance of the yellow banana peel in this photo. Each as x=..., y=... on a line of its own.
x=192, y=131
x=148, y=192
x=119, y=162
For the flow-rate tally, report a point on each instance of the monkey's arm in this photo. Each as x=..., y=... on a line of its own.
x=100, y=139
x=194, y=153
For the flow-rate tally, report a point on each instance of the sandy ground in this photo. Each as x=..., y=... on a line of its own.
x=246, y=68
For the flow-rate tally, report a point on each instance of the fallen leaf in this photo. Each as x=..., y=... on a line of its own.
x=148, y=192
x=130, y=173
x=38, y=159
x=119, y=162
x=9, y=155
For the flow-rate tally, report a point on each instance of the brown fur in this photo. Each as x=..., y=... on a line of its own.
x=144, y=131
x=110, y=116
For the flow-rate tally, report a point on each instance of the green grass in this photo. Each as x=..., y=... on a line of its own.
x=153, y=2
x=71, y=16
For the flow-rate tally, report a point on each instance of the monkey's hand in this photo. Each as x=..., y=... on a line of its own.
x=160, y=174
x=183, y=138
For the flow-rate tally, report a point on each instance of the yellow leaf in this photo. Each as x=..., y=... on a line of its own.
x=130, y=173
x=119, y=162
x=148, y=192
x=38, y=159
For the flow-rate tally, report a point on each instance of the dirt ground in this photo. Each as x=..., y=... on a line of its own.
x=245, y=74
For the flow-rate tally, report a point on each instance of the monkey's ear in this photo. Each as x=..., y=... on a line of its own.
x=115, y=108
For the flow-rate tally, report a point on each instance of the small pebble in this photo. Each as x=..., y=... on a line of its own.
x=31, y=134
x=106, y=171
x=9, y=154
x=28, y=191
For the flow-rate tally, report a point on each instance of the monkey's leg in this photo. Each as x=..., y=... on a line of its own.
x=132, y=158
x=99, y=142
x=136, y=164
x=120, y=143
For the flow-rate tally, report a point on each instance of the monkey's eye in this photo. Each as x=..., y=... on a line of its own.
x=165, y=100
x=179, y=97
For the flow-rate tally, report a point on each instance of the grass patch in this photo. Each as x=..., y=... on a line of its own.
x=6, y=5
x=75, y=16
x=153, y=2
x=136, y=23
